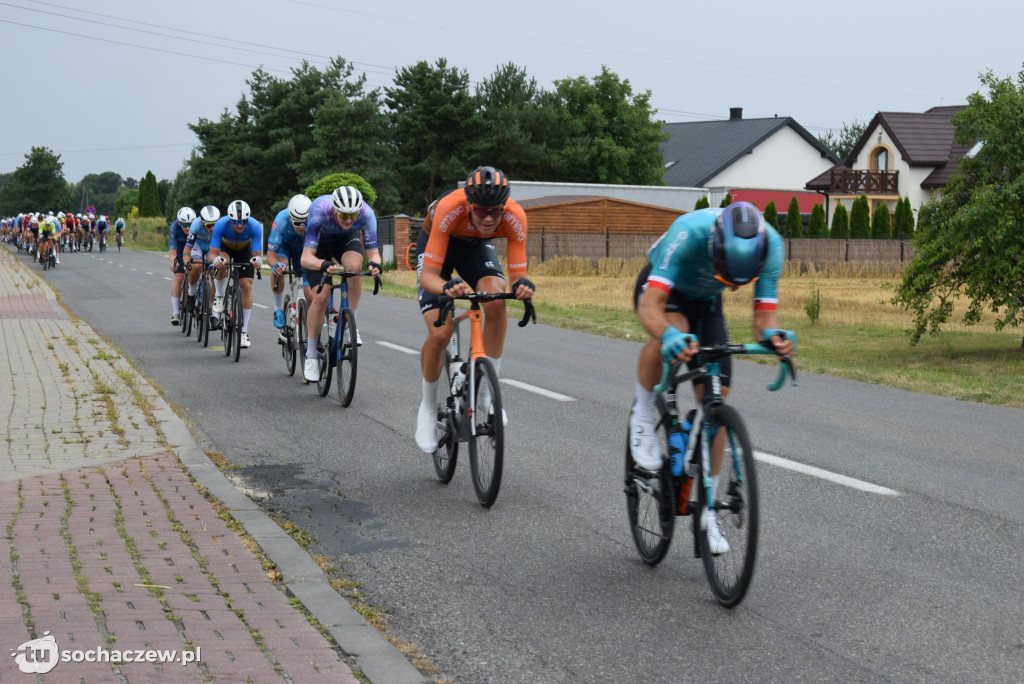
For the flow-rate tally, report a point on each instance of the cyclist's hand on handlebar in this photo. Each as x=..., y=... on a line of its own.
x=279, y=267
x=374, y=268
x=456, y=288
x=220, y=260
x=677, y=345
x=782, y=341
x=523, y=288
x=256, y=261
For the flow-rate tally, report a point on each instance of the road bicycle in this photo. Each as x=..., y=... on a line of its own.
x=654, y=500
x=184, y=314
x=203, y=304
x=338, y=338
x=292, y=337
x=458, y=420
x=231, y=320
x=102, y=239
x=120, y=241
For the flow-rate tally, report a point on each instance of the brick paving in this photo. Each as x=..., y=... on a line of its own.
x=108, y=545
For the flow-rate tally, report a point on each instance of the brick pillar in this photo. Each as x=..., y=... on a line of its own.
x=401, y=242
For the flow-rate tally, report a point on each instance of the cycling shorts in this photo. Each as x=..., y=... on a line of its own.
x=706, y=319
x=334, y=249
x=473, y=259
x=247, y=271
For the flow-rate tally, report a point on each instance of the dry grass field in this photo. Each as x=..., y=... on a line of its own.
x=859, y=334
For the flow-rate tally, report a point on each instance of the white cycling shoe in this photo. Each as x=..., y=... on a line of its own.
x=643, y=443
x=311, y=370
x=245, y=341
x=218, y=305
x=717, y=543
x=426, y=428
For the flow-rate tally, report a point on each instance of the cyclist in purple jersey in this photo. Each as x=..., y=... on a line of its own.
x=339, y=226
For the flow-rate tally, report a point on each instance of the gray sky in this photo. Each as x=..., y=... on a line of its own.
x=138, y=71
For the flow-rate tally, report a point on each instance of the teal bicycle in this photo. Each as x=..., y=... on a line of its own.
x=654, y=500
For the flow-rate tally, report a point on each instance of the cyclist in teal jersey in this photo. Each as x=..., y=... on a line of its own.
x=678, y=299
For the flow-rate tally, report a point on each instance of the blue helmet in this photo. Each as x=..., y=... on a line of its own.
x=739, y=244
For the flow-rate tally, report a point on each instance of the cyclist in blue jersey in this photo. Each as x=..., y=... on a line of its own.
x=177, y=234
x=102, y=228
x=339, y=226
x=679, y=292
x=197, y=244
x=284, y=249
x=236, y=237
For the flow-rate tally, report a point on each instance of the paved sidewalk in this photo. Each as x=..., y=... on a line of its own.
x=110, y=551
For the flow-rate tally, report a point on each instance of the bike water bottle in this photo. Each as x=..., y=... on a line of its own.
x=458, y=373
x=332, y=326
x=677, y=451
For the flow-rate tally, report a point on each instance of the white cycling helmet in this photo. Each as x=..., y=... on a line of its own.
x=347, y=200
x=238, y=211
x=186, y=215
x=298, y=208
x=209, y=214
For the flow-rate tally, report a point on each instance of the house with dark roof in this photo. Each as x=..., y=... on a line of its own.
x=899, y=154
x=775, y=153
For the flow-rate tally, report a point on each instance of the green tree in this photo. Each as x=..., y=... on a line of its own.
x=970, y=240
x=603, y=133
x=36, y=185
x=149, y=199
x=329, y=184
x=125, y=201
x=881, y=222
x=437, y=126
x=860, y=218
x=726, y=201
x=515, y=123
x=840, y=223
x=771, y=215
x=794, y=220
x=903, y=219
x=818, y=227
x=702, y=203
x=848, y=137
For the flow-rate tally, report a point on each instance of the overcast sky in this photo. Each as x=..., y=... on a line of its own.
x=113, y=85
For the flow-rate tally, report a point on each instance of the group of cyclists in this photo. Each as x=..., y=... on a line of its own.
x=678, y=295
x=46, y=236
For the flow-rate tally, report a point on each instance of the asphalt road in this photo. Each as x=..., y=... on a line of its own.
x=920, y=584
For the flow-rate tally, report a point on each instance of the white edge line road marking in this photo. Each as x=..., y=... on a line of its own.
x=149, y=273
x=262, y=306
x=536, y=390
x=396, y=347
x=824, y=474
x=166, y=278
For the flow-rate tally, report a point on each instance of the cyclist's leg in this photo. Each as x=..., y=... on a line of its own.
x=431, y=357
x=317, y=304
x=246, y=274
x=711, y=328
x=351, y=259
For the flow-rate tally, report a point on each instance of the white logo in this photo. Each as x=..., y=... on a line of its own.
x=38, y=656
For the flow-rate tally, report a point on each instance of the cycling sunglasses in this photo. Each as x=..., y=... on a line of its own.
x=346, y=217
x=488, y=212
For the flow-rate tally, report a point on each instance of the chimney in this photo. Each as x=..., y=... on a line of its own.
x=735, y=113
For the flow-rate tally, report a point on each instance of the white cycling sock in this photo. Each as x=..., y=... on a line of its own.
x=220, y=287
x=430, y=392
x=175, y=306
x=192, y=289
x=643, y=405
x=246, y=313
x=497, y=365
x=278, y=300
x=311, y=347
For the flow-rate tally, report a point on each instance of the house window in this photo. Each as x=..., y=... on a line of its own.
x=881, y=160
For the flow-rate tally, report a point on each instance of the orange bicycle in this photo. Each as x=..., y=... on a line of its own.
x=472, y=408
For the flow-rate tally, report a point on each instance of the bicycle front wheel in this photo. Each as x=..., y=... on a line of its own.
x=323, y=354
x=487, y=446
x=226, y=333
x=285, y=338
x=206, y=313
x=649, y=502
x=236, y=324
x=347, y=355
x=736, y=511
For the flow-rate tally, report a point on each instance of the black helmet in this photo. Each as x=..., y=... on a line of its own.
x=739, y=244
x=487, y=187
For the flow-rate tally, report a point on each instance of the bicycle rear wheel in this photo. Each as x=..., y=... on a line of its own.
x=487, y=446
x=186, y=314
x=323, y=354
x=347, y=356
x=736, y=508
x=236, y=323
x=649, y=502
x=287, y=343
x=226, y=332
x=300, y=335
x=207, y=311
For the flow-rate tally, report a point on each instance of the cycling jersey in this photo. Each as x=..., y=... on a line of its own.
x=451, y=219
x=227, y=238
x=680, y=261
x=102, y=225
x=119, y=226
x=177, y=234
x=284, y=240
x=323, y=225
x=199, y=233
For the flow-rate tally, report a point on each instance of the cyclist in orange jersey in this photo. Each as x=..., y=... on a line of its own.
x=457, y=236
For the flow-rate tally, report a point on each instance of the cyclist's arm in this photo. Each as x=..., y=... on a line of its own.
x=651, y=312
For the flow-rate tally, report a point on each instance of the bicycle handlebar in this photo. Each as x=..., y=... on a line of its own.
x=715, y=351
x=475, y=298
x=345, y=275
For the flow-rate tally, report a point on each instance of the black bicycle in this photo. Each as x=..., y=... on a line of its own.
x=292, y=337
x=462, y=419
x=653, y=500
x=231, y=320
x=337, y=340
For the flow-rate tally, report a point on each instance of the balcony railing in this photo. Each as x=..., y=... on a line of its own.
x=852, y=182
